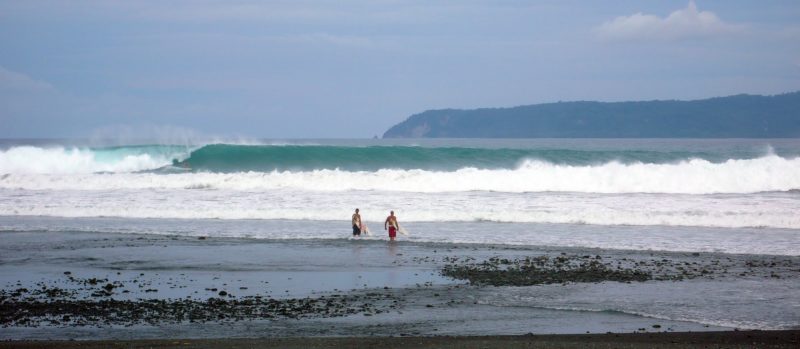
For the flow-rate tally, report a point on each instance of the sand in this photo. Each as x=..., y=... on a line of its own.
x=729, y=339
x=131, y=290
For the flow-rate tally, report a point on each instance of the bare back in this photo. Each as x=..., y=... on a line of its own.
x=391, y=221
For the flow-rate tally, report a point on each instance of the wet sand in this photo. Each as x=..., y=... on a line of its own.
x=729, y=339
x=130, y=289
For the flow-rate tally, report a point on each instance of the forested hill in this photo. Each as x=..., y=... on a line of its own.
x=740, y=116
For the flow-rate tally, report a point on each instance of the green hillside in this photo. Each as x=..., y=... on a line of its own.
x=740, y=116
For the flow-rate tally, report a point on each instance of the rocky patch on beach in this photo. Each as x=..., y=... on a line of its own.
x=22, y=307
x=564, y=268
x=541, y=270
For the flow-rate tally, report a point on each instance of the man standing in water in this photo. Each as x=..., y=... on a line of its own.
x=391, y=221
x=356, y=224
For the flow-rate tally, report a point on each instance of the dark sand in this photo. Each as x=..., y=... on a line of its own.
x=729, y=339
x=162, y=291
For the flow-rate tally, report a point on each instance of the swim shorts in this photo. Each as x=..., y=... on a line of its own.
x=392, y=232
x=356, y=230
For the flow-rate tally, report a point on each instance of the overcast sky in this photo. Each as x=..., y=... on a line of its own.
x=352, y=69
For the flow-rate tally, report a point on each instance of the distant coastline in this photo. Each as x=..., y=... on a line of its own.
x=739, y=116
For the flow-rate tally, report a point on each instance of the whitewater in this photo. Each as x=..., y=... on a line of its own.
x=720, y=188
x=696, y=176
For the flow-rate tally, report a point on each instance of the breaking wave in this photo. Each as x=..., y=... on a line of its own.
x=695, y=176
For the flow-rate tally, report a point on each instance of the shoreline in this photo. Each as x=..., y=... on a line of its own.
x=657, y=238
x=760, y=339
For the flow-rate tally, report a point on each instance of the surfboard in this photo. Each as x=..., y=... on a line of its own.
x=365, y=229
x=402, y=231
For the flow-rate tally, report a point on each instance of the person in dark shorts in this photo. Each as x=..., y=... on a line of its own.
x=356, y=224
x=391, y=222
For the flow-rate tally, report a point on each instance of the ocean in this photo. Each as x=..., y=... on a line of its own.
x=734, y=196
x=272, y=218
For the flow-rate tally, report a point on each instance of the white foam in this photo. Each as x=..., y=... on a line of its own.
x=768, y=173
x=59, y=160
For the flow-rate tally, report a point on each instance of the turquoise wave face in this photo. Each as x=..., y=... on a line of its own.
x=236, y=158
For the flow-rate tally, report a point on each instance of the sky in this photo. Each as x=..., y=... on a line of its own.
x=352, y=69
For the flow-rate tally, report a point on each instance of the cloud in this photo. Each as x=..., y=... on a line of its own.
x=687, y=23
x=14, y=81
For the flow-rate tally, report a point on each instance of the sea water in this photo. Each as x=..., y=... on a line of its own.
x=737, y=196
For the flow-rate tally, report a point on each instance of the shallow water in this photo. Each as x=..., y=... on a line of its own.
x=768, y=241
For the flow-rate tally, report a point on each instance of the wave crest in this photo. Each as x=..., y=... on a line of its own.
x=765, y=174
x=61, y=160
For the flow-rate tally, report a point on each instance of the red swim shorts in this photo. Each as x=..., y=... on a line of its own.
x=392, y=232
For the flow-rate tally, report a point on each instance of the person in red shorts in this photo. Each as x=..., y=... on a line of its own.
x=391, y=222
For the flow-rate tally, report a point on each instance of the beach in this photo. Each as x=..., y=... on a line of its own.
x=746, y=339
x=111, y=286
